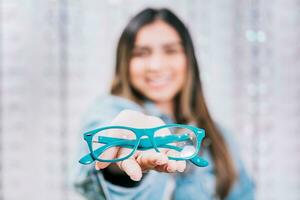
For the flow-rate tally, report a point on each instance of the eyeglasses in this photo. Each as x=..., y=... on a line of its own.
x=179, y=141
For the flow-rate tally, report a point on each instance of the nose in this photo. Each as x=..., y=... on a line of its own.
x=156, y=62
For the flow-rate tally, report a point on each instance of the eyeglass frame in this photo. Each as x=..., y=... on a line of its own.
x=139, y=133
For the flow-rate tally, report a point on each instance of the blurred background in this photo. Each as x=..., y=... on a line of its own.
x=57, y=56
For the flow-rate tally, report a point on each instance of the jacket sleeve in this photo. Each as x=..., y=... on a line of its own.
x=85, y=178
x=91, y=183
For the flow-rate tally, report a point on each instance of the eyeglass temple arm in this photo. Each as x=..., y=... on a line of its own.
x=145, y=143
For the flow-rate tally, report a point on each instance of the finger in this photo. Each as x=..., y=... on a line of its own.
x=131, y=168
x=181, y=165
x=123, y=152
x=101, y=165
x=149, y=160
x=161, y=168
x=171, y=166
x=109, y=154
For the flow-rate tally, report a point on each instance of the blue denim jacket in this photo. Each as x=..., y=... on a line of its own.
x=193, y=184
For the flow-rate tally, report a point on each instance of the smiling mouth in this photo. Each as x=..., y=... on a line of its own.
x=158, y=82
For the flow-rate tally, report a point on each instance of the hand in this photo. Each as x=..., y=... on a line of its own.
x=141, y=161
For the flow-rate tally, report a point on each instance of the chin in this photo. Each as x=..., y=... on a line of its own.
x=160, y=97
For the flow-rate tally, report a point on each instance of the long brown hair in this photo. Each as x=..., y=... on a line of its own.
x=190, y=104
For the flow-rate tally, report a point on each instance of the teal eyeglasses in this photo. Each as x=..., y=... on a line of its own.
x=183, y=141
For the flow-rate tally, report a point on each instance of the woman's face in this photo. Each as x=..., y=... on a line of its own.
x=158, y=66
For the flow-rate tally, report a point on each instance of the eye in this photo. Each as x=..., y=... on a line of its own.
x=172, y=51
x=140, y=53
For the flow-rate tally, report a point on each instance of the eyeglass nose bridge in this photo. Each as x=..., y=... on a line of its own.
x=149, y=133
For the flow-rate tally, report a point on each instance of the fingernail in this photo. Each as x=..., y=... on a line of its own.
x=170, y=169
x=96, y=167
x=180, y=170
x=135, y=178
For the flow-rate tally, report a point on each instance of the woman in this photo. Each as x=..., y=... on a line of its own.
x=157, y=81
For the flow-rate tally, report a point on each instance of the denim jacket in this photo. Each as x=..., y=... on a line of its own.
x=193, y=184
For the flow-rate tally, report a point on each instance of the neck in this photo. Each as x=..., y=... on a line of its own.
x=166, y=107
